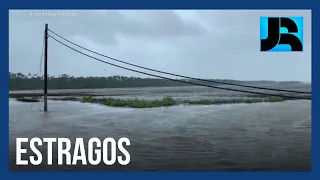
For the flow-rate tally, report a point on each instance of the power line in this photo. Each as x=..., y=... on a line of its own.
x=192, y=83
x=182, y=76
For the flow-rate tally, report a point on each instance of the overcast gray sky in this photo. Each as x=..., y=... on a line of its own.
x=206, y=44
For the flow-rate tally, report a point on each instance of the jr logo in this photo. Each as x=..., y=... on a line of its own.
x=281, y=34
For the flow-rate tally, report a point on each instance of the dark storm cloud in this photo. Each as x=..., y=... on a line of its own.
x=210, y=44
x=103, y=26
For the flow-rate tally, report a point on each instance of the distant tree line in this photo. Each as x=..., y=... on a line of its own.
x=19, y=81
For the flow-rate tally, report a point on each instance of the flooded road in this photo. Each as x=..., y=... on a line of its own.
x=264, y=136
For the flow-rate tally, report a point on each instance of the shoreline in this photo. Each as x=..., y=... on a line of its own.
x=112, y=97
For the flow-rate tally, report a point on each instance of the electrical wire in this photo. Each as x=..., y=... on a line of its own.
x=182, y=76
x=192, y=83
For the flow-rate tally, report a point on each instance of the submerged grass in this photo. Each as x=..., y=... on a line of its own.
x=23, y=99
x=168, y=101
x=134, y=103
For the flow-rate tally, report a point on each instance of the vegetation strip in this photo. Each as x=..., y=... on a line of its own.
x=166, y=101
x=19, y=81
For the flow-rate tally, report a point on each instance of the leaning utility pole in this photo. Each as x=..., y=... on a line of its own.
x=45, y=90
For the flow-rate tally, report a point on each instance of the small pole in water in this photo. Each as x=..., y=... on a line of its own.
x=45, y=92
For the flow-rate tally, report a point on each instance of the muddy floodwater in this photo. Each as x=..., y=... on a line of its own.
x=262, y=137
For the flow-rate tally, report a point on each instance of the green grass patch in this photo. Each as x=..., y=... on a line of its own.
x=275, y=99
x=134, y=103
x=168, y=101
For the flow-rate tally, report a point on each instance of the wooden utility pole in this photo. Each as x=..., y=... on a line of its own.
x=45, y=90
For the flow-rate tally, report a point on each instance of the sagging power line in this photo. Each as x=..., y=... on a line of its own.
x=191, y=83
x=181, y=76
